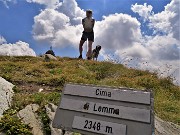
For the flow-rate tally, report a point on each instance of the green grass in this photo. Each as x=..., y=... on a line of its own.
x=12, y=125
x=31, y=70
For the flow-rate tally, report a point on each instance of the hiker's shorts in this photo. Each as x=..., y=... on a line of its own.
x=88, y=35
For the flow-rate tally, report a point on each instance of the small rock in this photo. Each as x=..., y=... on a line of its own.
x=6, y=94
x=40, y=90
x=29, y=116
x=166, y=128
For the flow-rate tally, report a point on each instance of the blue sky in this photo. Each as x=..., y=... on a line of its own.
x=142, y=30
x=18, y=18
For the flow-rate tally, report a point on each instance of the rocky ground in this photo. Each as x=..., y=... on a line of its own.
x=6, y=94
x=29, y=114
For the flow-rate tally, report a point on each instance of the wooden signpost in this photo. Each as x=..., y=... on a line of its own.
x=94, y=110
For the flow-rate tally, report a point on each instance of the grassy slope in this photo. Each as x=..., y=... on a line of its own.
x=34, y=71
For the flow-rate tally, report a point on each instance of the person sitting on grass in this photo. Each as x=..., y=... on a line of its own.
x=88, y=33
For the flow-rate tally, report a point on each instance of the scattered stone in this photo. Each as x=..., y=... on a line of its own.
x=49, y=57
x=6, y=94
x=69, y=133
x=166, y=128
x=29, y=116
x=40, y=90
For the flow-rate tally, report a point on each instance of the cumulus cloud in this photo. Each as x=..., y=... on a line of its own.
x=163, y=47
x=18, y=49
x=59, y=27
x=48, y=3
x=117, y=31
x=143, y=10
x=2, y=40
x=6, y=2
x=174, y=20
x=47, y=23
x=164, y=22
x=72, y=10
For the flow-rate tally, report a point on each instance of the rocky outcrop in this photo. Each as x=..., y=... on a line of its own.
x=166, y=128
x=50, y=110
x=29, y=116
x=6, y=94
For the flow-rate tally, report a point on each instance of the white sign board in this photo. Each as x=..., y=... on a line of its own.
x=93, y=110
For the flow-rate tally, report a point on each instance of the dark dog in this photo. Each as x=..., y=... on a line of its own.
x=95, y=52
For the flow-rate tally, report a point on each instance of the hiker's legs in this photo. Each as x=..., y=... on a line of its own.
x=89, y=53
x=81, y=46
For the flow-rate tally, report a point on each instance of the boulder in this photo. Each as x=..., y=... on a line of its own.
x=6, y=94
x=49, y=57
x=29, y=116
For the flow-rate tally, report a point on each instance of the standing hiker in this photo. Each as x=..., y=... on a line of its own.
x=88, y=33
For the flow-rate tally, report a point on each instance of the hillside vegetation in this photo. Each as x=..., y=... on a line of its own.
x=29, y=74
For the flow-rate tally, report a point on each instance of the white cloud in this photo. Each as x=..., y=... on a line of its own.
x=164, y=22
x=2, y=40
x=47, y=23
x=175, y=20
x=67, y=7
x=136, y=51
x=48, y=3
x=6, y=2
x=143, y=10
x=70, y=35
x=59, y=27
x=163, y=47
x=72, y=10
x=117, y=31
x=18, y=49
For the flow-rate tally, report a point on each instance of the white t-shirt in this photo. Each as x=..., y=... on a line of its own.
x=88, y=24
